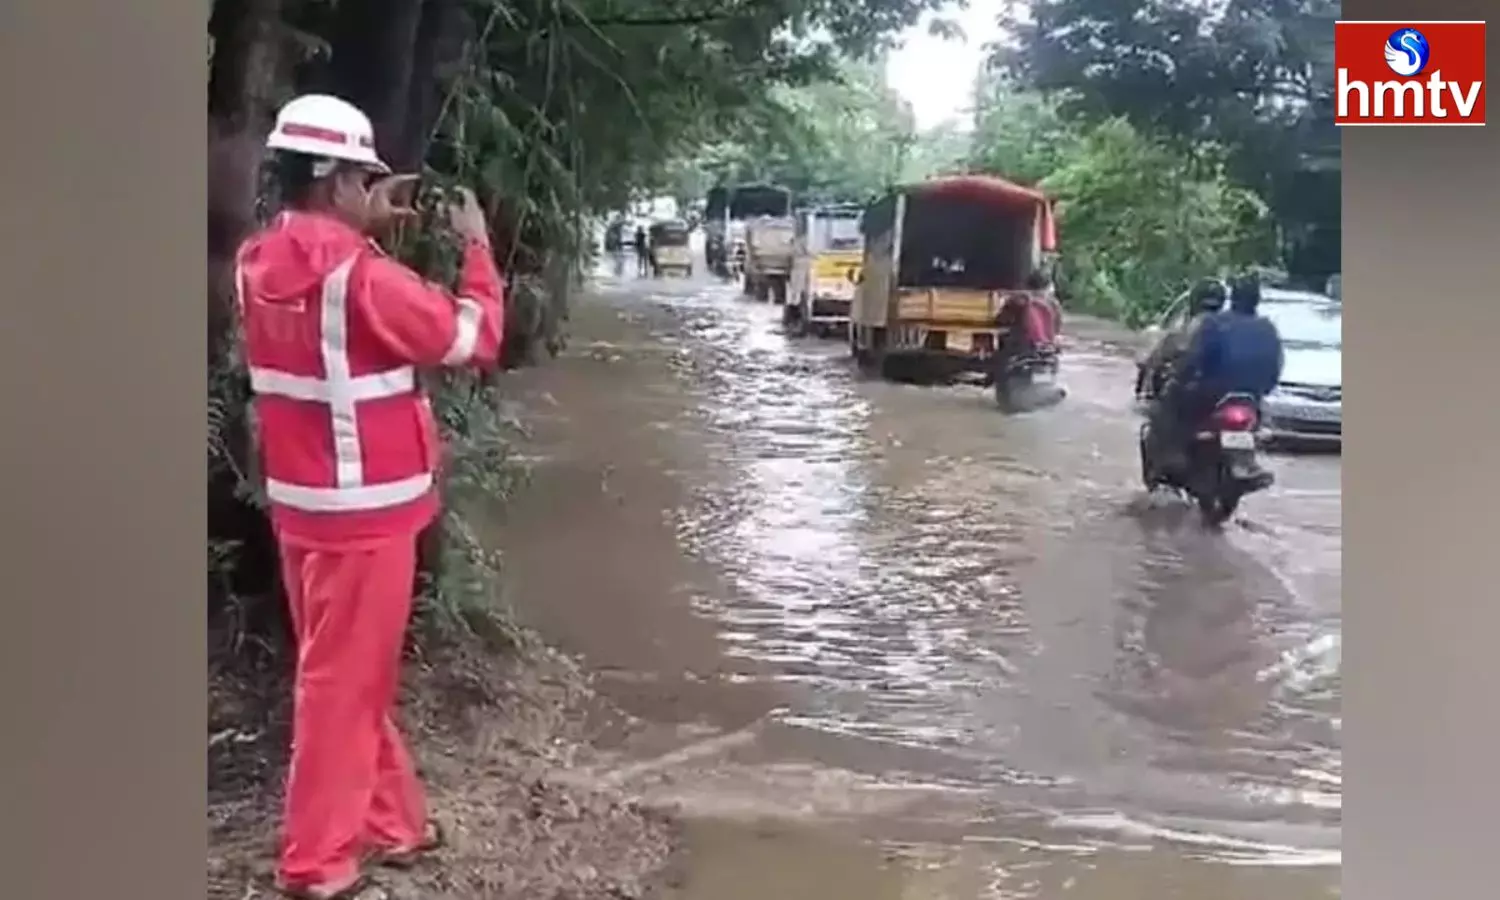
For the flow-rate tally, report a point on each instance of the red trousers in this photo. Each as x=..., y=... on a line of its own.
x=351, y=786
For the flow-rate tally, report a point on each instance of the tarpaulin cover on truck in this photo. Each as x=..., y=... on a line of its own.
x=987, y=190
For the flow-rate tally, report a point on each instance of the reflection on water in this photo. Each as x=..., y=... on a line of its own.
x=932, y=574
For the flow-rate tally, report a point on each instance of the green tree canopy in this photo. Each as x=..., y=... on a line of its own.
x=1252, y=78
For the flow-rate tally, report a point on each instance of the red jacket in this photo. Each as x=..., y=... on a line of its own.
x=335, y=332
x=1043, y=319
x=1038, y=315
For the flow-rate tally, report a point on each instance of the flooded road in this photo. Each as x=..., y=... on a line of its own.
x=961, y=652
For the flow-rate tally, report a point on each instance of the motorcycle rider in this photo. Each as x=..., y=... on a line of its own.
x=1233, y=351
x=1208, y=297
x=1031, y=320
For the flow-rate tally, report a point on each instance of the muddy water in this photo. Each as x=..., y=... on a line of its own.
x=885, y=641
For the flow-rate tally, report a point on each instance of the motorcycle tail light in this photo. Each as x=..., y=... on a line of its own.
x=1235, y=417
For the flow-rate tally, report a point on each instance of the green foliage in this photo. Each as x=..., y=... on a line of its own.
x=1139, y=219
x=1022, y=135
x=570, y=107
x=1251, y=77
x=941, y=150
x=460, y=590
x=844, y=136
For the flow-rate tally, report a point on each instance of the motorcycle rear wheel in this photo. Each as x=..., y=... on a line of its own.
x=1217, y=509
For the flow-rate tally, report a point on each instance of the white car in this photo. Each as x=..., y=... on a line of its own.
x=1308, y=405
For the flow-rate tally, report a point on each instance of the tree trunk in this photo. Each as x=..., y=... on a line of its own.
x=444, y=30
x=247, y=61
x=371, y=64
x=242, y=88
x=246, y=75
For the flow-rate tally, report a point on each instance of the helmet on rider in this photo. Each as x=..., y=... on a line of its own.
x=324, y=156
x=1209, y=295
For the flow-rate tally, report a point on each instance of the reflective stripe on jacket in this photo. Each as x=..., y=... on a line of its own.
x=335, y=333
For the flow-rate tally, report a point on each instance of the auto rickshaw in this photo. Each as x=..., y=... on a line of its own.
x=954, y=287
x=671, y=248
x=825, y=270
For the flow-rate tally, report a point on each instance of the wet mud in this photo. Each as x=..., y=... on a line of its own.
x=883, y=640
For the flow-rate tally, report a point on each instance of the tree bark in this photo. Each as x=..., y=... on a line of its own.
x=242, y=88
x=371, y=64
x=442, y=34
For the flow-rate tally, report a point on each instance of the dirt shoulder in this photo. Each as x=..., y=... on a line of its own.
x=490, y=730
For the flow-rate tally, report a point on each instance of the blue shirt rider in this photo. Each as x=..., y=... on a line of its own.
x=1235, y=351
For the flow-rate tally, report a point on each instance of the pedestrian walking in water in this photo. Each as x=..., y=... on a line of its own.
x=642, y=251
x=335, y=332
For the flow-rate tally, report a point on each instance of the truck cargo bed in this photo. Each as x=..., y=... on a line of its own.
x=949, y=305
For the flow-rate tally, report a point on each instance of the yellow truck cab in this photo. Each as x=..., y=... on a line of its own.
x=941, y=259
x=825, y=270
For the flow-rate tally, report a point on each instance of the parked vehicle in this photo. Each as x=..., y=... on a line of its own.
x=825, y=270
x=1307, y=406
x=728, y=207
x=671, y=249
x=942, y=260
x=1219, y=466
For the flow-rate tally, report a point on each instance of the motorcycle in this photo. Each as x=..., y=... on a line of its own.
x=1027, y=380
x=1221, y=464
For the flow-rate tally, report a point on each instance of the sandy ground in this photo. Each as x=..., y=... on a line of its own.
x=490, y=732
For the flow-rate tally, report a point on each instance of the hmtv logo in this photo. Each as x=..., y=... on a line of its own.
x=1408, y=73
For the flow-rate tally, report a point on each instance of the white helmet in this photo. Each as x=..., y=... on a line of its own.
x=326, y=127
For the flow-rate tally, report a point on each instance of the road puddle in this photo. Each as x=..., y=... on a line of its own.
x=962, y=648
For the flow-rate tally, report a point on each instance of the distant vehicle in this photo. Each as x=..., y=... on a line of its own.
x=671, y=249
x=770, y=250
x=727, y=209
x=829, y=252
x=1307, y=406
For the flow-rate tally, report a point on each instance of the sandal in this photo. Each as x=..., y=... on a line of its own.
x=361, y=888
x=406, y=857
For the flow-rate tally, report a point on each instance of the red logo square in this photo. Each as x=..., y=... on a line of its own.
x=1408, y=73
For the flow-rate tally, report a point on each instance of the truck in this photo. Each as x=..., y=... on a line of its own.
x=947, y=263
x=725, y=218
x=770, y=245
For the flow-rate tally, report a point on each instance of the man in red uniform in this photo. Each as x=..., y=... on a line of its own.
x=335, y=332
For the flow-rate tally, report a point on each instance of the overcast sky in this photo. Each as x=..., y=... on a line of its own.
x=937, y=76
